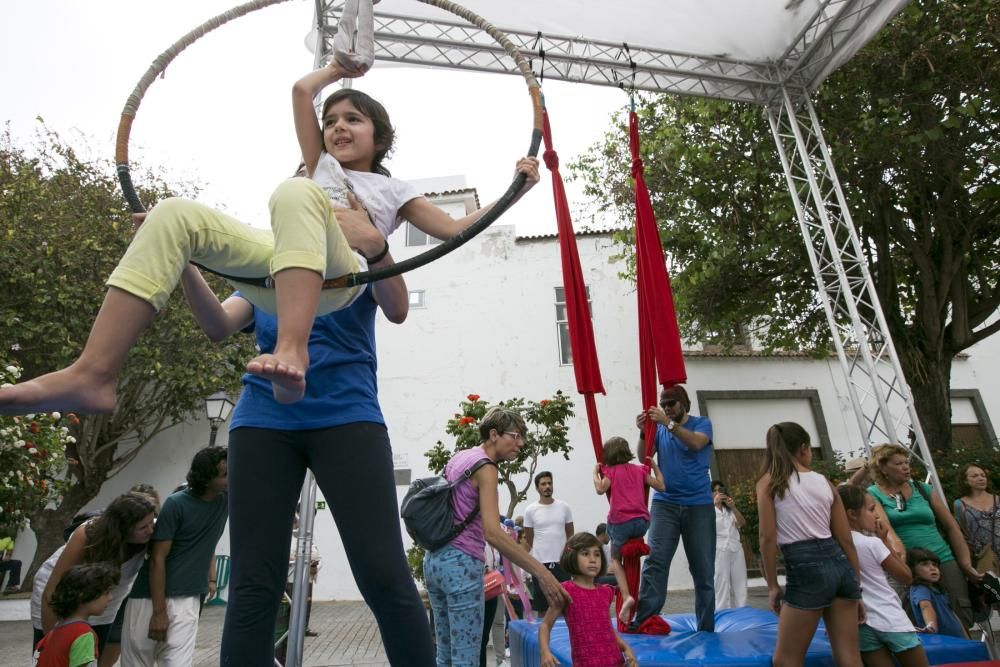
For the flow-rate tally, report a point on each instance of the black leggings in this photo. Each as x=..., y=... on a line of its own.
x=353, y=467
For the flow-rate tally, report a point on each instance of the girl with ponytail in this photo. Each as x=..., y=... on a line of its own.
x=801, y=513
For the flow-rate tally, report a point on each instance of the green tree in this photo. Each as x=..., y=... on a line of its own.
x=913, y=122
x=32, y=460
x=64, y=225
x=547, y=434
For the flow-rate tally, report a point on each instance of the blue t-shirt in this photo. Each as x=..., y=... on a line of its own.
x=947, y=621
x=685, y=472
x=341, y=387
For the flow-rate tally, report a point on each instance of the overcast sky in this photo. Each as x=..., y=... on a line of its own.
x=222, y=114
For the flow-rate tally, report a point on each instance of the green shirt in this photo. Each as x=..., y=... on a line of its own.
x=915, y=525
x=193, y=526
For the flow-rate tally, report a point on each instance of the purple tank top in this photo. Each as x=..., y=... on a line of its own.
x=464, y=498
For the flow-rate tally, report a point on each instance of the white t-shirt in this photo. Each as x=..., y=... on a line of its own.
x=727, y=535
x=549, y=525
x=804, y=512
x=382, y=196
x=885, y=611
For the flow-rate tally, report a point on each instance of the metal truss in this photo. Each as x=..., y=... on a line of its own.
x=809, y=57
x=458, y=45
x=879, y=394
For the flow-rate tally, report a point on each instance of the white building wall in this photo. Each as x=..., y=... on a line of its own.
x=489, y=327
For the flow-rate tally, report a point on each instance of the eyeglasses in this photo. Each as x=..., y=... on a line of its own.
x=669, y=403
x=900, y=502
x=514, y=434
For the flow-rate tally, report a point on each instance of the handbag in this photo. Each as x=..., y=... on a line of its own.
x=426, y=509
x=493, y=584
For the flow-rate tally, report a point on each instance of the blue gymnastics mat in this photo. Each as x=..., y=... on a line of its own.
x=743, y=637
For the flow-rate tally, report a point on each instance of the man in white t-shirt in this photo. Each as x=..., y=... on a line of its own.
x=548, y=523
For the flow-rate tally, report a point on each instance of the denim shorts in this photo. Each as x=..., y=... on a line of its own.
x=817, y=572
x=871, y=639
x=620, y=533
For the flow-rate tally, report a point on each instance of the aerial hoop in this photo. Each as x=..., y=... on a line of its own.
x=159, y=65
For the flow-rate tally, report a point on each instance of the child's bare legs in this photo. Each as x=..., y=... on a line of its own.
x=879, y=658
x=628, y=602
x=914, y=657
x=297, y=292
x=89, y=384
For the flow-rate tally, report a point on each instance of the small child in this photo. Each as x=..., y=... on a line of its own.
x=85, y=590
x=628, y=518
x=929, y=602
x=594, y=643
x=887, y=631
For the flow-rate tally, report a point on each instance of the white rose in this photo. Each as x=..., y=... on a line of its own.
x=56, y=416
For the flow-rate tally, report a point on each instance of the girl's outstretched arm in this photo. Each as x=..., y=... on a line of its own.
x=218, y=320
x=307, y=128
x=623, y=646
x=601, y=483
x=544, y=632
x=655, y=479
x=431, y=220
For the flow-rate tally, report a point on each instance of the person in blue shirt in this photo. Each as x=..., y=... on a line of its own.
x=683, y=510
x=929, y=603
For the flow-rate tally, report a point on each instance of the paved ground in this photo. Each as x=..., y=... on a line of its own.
x=348, y=634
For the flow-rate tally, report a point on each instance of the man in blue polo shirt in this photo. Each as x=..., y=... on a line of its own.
x=683, y=511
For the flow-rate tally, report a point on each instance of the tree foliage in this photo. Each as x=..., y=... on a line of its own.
x=913, y=122
x=64, y=225
x=32, y=460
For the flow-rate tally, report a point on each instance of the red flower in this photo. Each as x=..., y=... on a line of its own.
x=467, y=420
x=544, y=402
x=473, y=397
x=73, y=419
x=34, y=428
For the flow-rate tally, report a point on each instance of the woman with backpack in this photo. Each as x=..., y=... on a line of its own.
x=453, y=573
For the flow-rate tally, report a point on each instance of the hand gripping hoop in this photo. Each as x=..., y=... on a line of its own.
x=159, y=65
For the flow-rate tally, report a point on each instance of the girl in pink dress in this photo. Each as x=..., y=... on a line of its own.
x=628, y=516
x=594, y=643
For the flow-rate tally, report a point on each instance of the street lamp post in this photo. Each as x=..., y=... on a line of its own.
x=217, y=409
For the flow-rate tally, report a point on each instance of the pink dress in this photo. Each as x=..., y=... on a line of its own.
x=592, y=640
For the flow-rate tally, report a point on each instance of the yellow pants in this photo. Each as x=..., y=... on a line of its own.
x=304, y=234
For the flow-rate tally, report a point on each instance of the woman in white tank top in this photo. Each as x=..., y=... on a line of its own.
x=801, y=514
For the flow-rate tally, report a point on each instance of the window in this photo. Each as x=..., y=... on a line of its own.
x=415, y=237
x=416, y=298
x=562, y=326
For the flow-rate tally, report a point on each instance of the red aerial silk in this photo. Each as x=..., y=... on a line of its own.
x=581, y=329
x=659, y=337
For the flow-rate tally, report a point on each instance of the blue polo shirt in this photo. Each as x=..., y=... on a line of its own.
x=686, y=473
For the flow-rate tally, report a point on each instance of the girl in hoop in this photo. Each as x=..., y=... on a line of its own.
x=312, y=238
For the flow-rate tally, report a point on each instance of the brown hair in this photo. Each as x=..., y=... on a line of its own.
x=107, y=535
x=574, y=545
x=880, y=455
x=783, y=441
x=963, y=483
x=501, y=420
x=385, y=134
x=616, y=451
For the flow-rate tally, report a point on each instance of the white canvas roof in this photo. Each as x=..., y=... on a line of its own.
x=730, y=49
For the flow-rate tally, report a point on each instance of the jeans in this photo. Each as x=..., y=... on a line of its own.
x=353, y=467
x=816, y=573
x=455, y=587
x=669, y=523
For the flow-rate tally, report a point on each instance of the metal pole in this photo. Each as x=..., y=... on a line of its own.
x=300, y=584
x=212, y=434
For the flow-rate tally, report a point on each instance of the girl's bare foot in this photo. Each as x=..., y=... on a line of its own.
x=287, y=376
x=625, y=615
x=68, y=390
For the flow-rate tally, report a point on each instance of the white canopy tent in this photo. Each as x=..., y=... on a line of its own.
x=772, y=53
